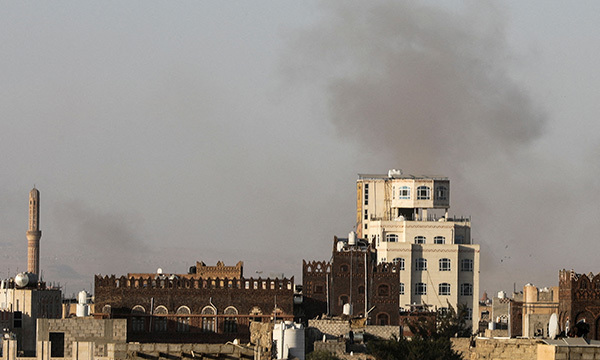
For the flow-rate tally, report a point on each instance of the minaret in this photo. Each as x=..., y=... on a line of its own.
x=34, y=234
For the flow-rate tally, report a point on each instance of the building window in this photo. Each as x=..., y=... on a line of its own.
x=138, y=309
x=441, y=193
x=401, y=289
x=421, y=264
x=208, y=320
x=459, y=239
x=361, y=290
x=138, y=324
x=366, y=226
x=383, y=319
x=423, y=193
x=399, y=262
x=343, y=300
x=366, y=197
x=230, y=322
x=444, y=289
x=17, y=319
x=420, y=239
x=404, y=193
x=466, y=265
x=319, y=289
x=439, y=240
x=391, y=237
x=466, y=289
x=183, y=319
x=469, y=314
x=383, y=290
x=343, y=268
x=444, y=264
x=366, y=214
x=420, y=289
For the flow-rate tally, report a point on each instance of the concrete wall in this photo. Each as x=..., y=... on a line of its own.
x=99, y=331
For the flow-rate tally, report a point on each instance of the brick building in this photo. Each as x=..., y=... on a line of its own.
x=352, y=277
x=161, y=308
x=579, y=300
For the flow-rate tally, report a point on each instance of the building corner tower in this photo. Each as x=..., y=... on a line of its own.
x=34, y=234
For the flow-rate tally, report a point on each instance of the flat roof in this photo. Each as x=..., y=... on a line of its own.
x=401, y=176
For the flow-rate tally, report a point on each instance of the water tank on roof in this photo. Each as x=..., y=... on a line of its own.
x=25, y=279
x=352, y=238
x=288, y=339
x=83, y=297
x=347, y=309
x=340, y=245
x=394, y=172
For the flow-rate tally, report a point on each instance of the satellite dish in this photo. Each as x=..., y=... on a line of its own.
x=553, y=326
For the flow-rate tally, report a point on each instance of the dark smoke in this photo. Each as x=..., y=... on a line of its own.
x=430, y=90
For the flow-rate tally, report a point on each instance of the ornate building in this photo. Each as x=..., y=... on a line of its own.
x=353, y=279
x=579, y=300
x=178, y=308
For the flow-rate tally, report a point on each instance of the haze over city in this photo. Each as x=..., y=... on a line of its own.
x=160, y=134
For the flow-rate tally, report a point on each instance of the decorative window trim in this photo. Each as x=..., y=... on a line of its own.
x=420, y=240
x=404, y=193
x=391, y=237
x=440, y=240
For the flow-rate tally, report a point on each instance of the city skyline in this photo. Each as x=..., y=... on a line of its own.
x=159, y=136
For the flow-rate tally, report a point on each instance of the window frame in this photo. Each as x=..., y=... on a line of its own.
x=466, y=265
x=466, y=289
x=421, y=264
x=404, y=192
x=420, y=239
x=391, y=238
x=445, y=264
x=439, y=240
x=420, y=288
x=423, y=192
x=399, y=262
x=444, y=289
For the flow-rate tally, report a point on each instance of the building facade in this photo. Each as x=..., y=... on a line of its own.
x=579, y=300
x=406, y=219
x=173, y=308
x=354, y=279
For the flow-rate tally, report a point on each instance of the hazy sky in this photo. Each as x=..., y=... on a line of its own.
x=163, y=133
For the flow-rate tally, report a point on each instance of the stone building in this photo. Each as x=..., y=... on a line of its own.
x=203, y=271
x=406, y=219
x=173, y=308
x=538, y=307
x=579, y=300
x=353, y=279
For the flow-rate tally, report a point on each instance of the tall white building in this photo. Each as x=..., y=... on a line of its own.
x=406, y=217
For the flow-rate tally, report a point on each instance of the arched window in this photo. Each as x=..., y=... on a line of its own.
x=466, y=289
x=106, y=309
x=160, y=322
x=444, y=264
x=383, y=290
x=421, y=264
x=401, y=288
x=404, y=193
x=183, y=319
x=208, y=320
x=439, y=240
x=343, y=268
x=466, y=265
x=423, y=193
x=420, y=239
x=383, y=319
x=420, y=289
x=441, y=193
x=391, y=237
x=444, y=289
x=399, y=262
x=230, y=325
x=343, y=299
x=138, y=309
